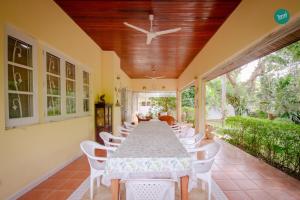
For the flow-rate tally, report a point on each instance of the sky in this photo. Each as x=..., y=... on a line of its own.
x=247, y=71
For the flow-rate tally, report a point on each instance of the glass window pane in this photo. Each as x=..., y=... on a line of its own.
x=53, y=64
x=19, y=79
x=85, y=77
x=19, y=52
x=86, y=105
x=53, y=106
x=70, y=71
x=53, y=85
x=20, y=105
x=86, y=91
x=71, y=105
x=70, y=88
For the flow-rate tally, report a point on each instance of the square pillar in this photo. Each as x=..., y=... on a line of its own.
x=178, y=105
x=200, y=105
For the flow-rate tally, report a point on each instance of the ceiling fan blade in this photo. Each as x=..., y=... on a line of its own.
x=149, y=38
x=167, y=31
x=149, y=77
x=154, y=77
x=136, y=28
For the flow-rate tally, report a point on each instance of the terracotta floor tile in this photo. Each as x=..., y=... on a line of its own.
x=219, y=176
x=64, y=174
x=236, y=175
x=258, y=195
x=253, y=175
x=81, y=174
x=280, y=194
x=36, y=195
x=226, y=185
x=237, y=195
x=71, y=184
x=246, y=184
x=51, y=184
x=59, y=195
x=268, y=184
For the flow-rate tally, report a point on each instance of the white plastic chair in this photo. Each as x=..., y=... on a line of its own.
x=124, y=131
x=150, y=189
x=202, y=168
x=96, y=167
x=128, y=125
x=111, y=140
x=192, y=142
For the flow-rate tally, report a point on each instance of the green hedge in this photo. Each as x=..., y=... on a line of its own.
x=274, y=141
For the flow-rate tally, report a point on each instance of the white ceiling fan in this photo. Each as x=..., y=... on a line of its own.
x=151, y=34
x=154, y=77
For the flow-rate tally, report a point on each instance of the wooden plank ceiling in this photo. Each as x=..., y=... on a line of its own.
x=167, y=55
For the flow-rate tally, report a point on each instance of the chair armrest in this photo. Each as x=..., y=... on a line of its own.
x=97, y=158
x=194, y=150
x=118, y=138
x=114, y=144
x=187, y=141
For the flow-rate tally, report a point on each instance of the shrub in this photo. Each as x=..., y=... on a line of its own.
x=189, y=113
x=276, y=142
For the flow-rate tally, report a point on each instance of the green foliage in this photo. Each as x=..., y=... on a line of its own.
x=188, y=114
x=163, y=104
x=213, y=93
x=277, y=142
x=187, y=105
x=188, y=96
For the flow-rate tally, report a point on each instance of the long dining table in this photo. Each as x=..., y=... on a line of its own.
x=152, y=150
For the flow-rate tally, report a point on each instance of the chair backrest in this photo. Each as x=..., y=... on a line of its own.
x=150, y=189
x=189, y=132
x=106, y=137
x=211, y=150
x=128, y=125
x=167, y=118
x=124, y=131
x=198, y=137
x=88, y=148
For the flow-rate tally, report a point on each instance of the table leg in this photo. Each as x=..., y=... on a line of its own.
x=115, y=189
x=184, y=182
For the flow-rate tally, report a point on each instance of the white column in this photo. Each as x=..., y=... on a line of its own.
x=200, y=105
x=223, y=97
x=178, y=105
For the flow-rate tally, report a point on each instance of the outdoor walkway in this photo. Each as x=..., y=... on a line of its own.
x=239, y=175
x=242, y=176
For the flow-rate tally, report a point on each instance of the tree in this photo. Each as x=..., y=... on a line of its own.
x=188, y=97
x=163, y=104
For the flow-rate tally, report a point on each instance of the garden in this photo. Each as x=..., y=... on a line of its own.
x=265, y=98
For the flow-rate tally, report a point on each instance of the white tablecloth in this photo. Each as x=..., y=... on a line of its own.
x=152, y=150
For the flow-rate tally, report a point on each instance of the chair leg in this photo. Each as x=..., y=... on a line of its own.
x=91, y=187
x=209, y=188
x=202, y=185
x=98, y=181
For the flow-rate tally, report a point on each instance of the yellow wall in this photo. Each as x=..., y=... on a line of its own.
x=252, y=20
x=154, y=85
x=27, y=153
x=110, y=71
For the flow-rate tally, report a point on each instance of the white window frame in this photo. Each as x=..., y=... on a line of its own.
x=82, y=96
x=78, y=86
x=77, y=113
x=16, y=122
x=62, y=86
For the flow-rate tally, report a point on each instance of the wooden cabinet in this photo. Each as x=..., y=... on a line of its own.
x=103, y=119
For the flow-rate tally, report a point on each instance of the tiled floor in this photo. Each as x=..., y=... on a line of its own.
x=242, y=176
x=239, y=175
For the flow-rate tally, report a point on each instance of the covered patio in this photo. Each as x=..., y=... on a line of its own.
x=73, y=69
